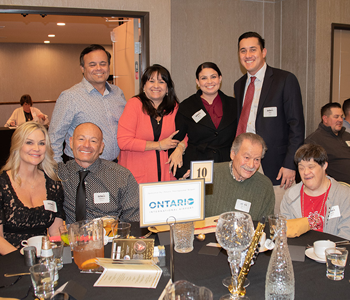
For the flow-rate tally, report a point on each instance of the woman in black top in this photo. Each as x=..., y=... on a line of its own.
x=208, y=118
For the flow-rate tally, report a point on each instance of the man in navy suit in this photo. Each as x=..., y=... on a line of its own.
x=276, y=112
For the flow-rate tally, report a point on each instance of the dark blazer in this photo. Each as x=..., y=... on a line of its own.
x=205, y=141
x=283, y=134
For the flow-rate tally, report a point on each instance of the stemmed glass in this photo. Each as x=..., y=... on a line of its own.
x=234, y=232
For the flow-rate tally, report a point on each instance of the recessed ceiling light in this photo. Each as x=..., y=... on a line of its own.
x=61, y=24
x=51, y=35
x=46, y=42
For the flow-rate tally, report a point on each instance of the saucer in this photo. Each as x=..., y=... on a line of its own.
x=311, y=254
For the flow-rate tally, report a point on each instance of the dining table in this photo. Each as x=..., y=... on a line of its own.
x=200, y=269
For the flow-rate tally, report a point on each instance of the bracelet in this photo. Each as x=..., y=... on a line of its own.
x=183, y=148
x=160, y=147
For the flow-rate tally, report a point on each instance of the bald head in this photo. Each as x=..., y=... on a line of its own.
x=87, y=144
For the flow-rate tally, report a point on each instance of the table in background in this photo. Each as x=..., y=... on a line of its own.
x=204, y=270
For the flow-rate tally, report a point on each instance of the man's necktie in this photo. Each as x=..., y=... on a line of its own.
x=80, y=201
x=249, y=95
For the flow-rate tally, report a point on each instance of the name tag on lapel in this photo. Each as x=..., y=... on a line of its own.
x=270, y=112
x=199, y=115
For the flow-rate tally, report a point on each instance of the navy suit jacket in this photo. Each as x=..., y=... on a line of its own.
x=283, y=134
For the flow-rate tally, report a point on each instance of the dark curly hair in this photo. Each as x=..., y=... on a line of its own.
x=170, y=99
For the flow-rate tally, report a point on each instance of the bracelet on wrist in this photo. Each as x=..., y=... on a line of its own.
x=160, y=147
x=183, y=148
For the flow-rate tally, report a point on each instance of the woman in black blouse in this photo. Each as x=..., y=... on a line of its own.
x=31, y=195
x=208, y=118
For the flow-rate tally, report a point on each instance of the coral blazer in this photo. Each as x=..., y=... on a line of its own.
x=134, y=130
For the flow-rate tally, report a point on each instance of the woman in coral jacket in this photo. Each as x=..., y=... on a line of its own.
x=147, y=126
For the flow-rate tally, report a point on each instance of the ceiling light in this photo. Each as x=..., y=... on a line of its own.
x=46, y=42
x=61, y=24
x=51, y=35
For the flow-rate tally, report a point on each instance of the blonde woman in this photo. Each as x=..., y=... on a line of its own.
x=31, y=195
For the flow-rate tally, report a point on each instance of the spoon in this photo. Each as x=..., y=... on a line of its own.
x=16, y=274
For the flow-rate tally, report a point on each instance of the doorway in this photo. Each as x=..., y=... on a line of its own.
x=142, y=45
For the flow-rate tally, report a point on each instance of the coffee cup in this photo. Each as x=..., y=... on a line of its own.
x=34, y=241
x=321, y=246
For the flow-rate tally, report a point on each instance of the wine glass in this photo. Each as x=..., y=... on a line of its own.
x=234, y=232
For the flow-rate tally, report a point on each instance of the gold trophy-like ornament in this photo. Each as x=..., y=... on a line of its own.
x=248, y=259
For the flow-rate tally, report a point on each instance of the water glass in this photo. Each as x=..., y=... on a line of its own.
x=273, y=223
x=57, y=249
x=43, y=280
x=121, y=230
x=183, y=237
x=336, y=262
x=185, y=290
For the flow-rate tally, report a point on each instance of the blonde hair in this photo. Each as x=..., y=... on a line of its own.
x=48, y=165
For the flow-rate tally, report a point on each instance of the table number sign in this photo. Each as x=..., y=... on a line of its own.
x=181, y=199
x=202, y=169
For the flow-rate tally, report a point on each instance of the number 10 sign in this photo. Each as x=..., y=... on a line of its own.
x=202, y=169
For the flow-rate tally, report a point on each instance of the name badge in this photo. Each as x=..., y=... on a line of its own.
x=243, y=205
x=335, y=212
x=101, y=198
x=50, y=205
x=348, y=143
x=270, y=112
x=199, y=115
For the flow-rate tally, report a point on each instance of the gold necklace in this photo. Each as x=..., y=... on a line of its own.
x=158, y=121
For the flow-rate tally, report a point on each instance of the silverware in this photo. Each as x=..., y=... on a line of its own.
x=339, y=243
x=125, y=261
x=345, y=242
x=146, y=235
x=15, y=274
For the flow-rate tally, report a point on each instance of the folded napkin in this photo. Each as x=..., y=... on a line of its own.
x=297, y=227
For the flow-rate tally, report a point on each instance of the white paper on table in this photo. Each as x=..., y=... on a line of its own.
x=127, y=275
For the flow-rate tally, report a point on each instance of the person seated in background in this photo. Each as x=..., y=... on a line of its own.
x=237, y=185
x=31, y=195
x=26, y=113
x=331, y=135
x=110, y=189
x=346, y=110
x=318, y=202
